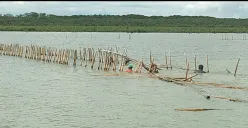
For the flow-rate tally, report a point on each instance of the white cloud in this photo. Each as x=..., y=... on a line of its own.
x=216, y=9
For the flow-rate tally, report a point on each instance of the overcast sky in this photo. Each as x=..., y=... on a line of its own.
x=215, y=9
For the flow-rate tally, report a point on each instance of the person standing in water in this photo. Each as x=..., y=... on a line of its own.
x=152, y=69
x=200, y=69
x=129, y=68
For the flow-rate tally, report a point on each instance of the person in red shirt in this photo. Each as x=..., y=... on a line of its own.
x=129, y=68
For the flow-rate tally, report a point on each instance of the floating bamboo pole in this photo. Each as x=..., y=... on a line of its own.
x=198, y=109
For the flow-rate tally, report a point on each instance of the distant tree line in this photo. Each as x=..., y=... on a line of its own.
x=42, y=19
x=129, y=21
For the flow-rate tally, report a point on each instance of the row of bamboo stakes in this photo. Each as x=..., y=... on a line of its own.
x=107, y=58
x=226, y=37
x=195, y=65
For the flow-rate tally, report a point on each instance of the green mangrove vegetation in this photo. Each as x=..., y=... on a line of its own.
x=121, y=23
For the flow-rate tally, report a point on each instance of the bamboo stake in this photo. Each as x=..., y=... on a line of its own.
x=84, y=54
x=1, y=46
x=115, y=61
x=62, y=56
x=50, y=55
x=82, y=57
x=120, y=68
x=186, y=60
x=10, y=50
x=99, y=55
x=58, y=55
x=166, y=63
x=33, y=51
x=13, y=49
x=195, y=61
x=150, y=56
x=123, y=59
x=105, y=61
x=108, y=61
x=3, y=53
x=116, y=50
x=29, y=52
x=170, y=61
x=89, y=56
x=207, y=64
x=80, y=53
x=236, y=67
x=22, y=49
x=55, y=55
x=93, y=60
x=85, y=57
x=75, y=57
x=187, y=71
x=102, y=59
x=7, y=49
x=67, y=57
x=40, y=51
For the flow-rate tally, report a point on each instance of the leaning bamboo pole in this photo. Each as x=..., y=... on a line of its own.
x=236, y=67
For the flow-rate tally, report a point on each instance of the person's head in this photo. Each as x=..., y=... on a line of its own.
x=130, y=66
x=200, y=67
x=208, y=97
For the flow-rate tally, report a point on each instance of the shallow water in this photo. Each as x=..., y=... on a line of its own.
x=37, y=94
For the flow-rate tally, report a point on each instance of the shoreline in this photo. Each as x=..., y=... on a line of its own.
x=123, y=29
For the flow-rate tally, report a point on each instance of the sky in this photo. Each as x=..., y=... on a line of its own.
x=232, y=9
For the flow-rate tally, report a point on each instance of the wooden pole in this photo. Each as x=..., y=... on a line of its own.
x=195, y=61
x=82, y=56
x=85, y=58
x=166, y=62
x=207, y=64
x=93, y=58
x=170, y=61
x=150, y=56
x=99, y=55
x=75, y=57
x=102, y=58
x=187, y=71
x=236, y=67
x=186, y=60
